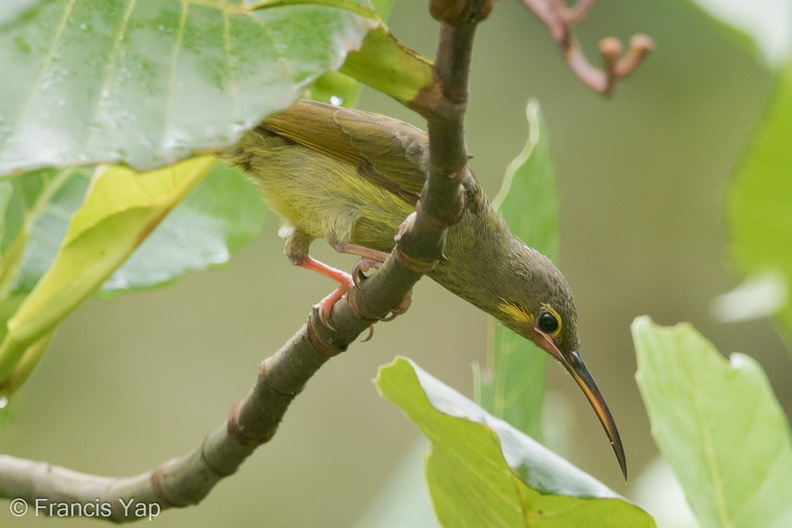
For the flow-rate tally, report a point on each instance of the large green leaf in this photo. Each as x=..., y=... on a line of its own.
x=513, y=386
x=122, y=208
x=482, y=472
x=150, y=81
x=220, y=215
x=761, y=25
x=34, y=214
x=718, y=426
x=340, y=89
x=759, y=203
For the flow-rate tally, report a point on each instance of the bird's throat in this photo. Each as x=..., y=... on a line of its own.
x=478, y=253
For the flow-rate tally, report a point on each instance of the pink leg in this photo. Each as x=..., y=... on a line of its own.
x=360, y=251
x=369, y=258
x=342, y=278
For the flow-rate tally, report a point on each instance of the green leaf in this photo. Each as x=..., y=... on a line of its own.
x=216, y=218
x=401, y=502
x=478, y=466
x=528, y=198
x=337, y=88
x=35, y=218
x=759, y=201
x=35, y=213
x=760, y=25
x=120, y=211
x=719, y=427
x=222, y=213
x=389, y=66
x=150, y=81
x=383, y=8
x=760, y=295
x=514, y=385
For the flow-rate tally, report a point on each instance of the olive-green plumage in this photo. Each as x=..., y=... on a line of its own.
x=352, y=177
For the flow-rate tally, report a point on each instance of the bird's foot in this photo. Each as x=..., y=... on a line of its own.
x=358, y=274
x=363, y=265
x=400, y=308
x=344, y=280
x=325, y=306
x=358, y=250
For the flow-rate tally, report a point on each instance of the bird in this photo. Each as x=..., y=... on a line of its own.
x=351, y=177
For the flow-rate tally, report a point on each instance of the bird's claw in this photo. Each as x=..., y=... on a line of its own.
x=324, y=313
x=325, y=306
x=370, y=334
x=361, y=266
x=346, y=283
x=400, y=308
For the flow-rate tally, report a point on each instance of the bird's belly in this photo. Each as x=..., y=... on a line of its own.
x=328, y=199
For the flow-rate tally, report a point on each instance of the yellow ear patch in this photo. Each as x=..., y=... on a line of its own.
x=547, y=308
x=516, y=313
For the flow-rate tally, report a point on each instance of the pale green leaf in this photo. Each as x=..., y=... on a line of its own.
x=764, y=25
x=120, y=211
x=760, y=295
x=219, y=216
x=719, y=427
x=513, y=386
x=337, y=88
x=150, y=81
x=35, y=218
x=759, y=201
x=482, y=472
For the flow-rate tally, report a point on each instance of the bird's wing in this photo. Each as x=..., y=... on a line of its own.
x=385, y=151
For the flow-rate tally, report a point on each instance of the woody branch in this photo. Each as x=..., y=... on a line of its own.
x=186, y=480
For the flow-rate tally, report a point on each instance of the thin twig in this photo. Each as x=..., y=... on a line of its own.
x=559, y=19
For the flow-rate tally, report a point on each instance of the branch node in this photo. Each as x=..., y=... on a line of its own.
x=352, y=303
x=237, y=432
x=323, y=348
x=205, y=449
x=415, y=265
x=460, y=11
x=159, y=488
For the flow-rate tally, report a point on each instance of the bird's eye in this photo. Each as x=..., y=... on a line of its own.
x=548, y=323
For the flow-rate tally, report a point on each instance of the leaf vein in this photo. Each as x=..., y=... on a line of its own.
x=109, y=76
x=710, y=456
x=36, y=88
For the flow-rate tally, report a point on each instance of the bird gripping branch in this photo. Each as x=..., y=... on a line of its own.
x=351, y=177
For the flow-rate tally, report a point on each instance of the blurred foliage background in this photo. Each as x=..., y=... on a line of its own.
x=131, y=382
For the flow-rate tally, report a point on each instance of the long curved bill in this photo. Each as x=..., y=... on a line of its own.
x=577, y=368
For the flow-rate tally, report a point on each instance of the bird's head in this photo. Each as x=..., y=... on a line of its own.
x=538, y=305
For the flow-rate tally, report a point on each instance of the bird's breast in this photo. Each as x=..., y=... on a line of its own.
x=322, y=196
